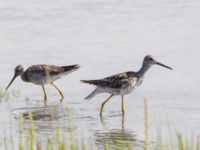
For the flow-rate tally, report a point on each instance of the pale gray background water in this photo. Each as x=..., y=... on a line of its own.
x=107, y=37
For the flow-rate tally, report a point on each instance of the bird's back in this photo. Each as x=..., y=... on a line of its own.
x=115, y=81
x=43, y=74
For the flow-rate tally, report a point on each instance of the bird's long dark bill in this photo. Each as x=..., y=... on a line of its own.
x=11, y=82
x=158, y=63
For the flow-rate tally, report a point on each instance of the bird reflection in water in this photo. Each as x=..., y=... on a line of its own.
x=116, y=138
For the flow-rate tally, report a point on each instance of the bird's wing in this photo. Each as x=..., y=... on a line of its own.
x=114, y=81
x=53, y=70
x=35, y=72
x=43, y=71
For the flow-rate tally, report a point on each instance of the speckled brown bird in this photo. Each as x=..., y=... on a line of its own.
x=122, y=83
x=43, y=74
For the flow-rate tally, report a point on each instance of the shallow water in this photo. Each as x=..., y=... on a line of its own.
x=105, y=38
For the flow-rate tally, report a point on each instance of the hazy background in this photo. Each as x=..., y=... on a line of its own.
x=107, y=37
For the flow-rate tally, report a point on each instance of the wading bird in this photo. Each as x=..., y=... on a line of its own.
x=43, y=74
x=123, y=83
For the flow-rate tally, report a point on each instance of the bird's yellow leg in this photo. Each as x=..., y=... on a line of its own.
x=102, y=105
x=123, y=104
x=61, y=94
x=45, y=95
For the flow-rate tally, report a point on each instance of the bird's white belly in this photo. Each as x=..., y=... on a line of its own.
x=115, y=91
x=46, y=79
x=40, y=81
x=126, y=91
x=53, y=78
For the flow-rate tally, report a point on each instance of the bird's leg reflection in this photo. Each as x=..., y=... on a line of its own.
x=122, y=122
x=102, y=121
x=61, y=103
x=122, y=105
x=45, y=103
x=117, y=138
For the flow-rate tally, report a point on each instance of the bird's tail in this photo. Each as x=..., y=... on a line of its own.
x=94, y=82
x=91, y=95
x=71, y=67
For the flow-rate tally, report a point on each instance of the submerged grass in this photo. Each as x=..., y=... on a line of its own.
x=29, y=140
x=4, y=95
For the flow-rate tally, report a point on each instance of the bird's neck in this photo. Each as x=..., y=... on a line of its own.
x=23, y=76
x=143, y=69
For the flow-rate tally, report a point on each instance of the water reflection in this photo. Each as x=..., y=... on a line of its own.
x=102, y=119
x=46, y=113
x=45, y=119
x=116, y=138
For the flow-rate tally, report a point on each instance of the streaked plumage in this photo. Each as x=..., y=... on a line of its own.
x=43, y=74
x=121, y=84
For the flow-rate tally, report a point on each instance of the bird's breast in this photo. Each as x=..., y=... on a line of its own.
x=35, y=78
x=131, y=86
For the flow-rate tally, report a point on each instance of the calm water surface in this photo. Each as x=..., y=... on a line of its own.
x=105, y=38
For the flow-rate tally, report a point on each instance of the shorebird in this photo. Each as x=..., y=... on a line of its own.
x=43, y=74
x=122, y=83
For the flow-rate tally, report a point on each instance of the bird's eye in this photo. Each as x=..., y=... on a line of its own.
x=150, y=58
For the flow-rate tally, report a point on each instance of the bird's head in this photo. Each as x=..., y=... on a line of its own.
x=18, y=71
x=149, y=61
